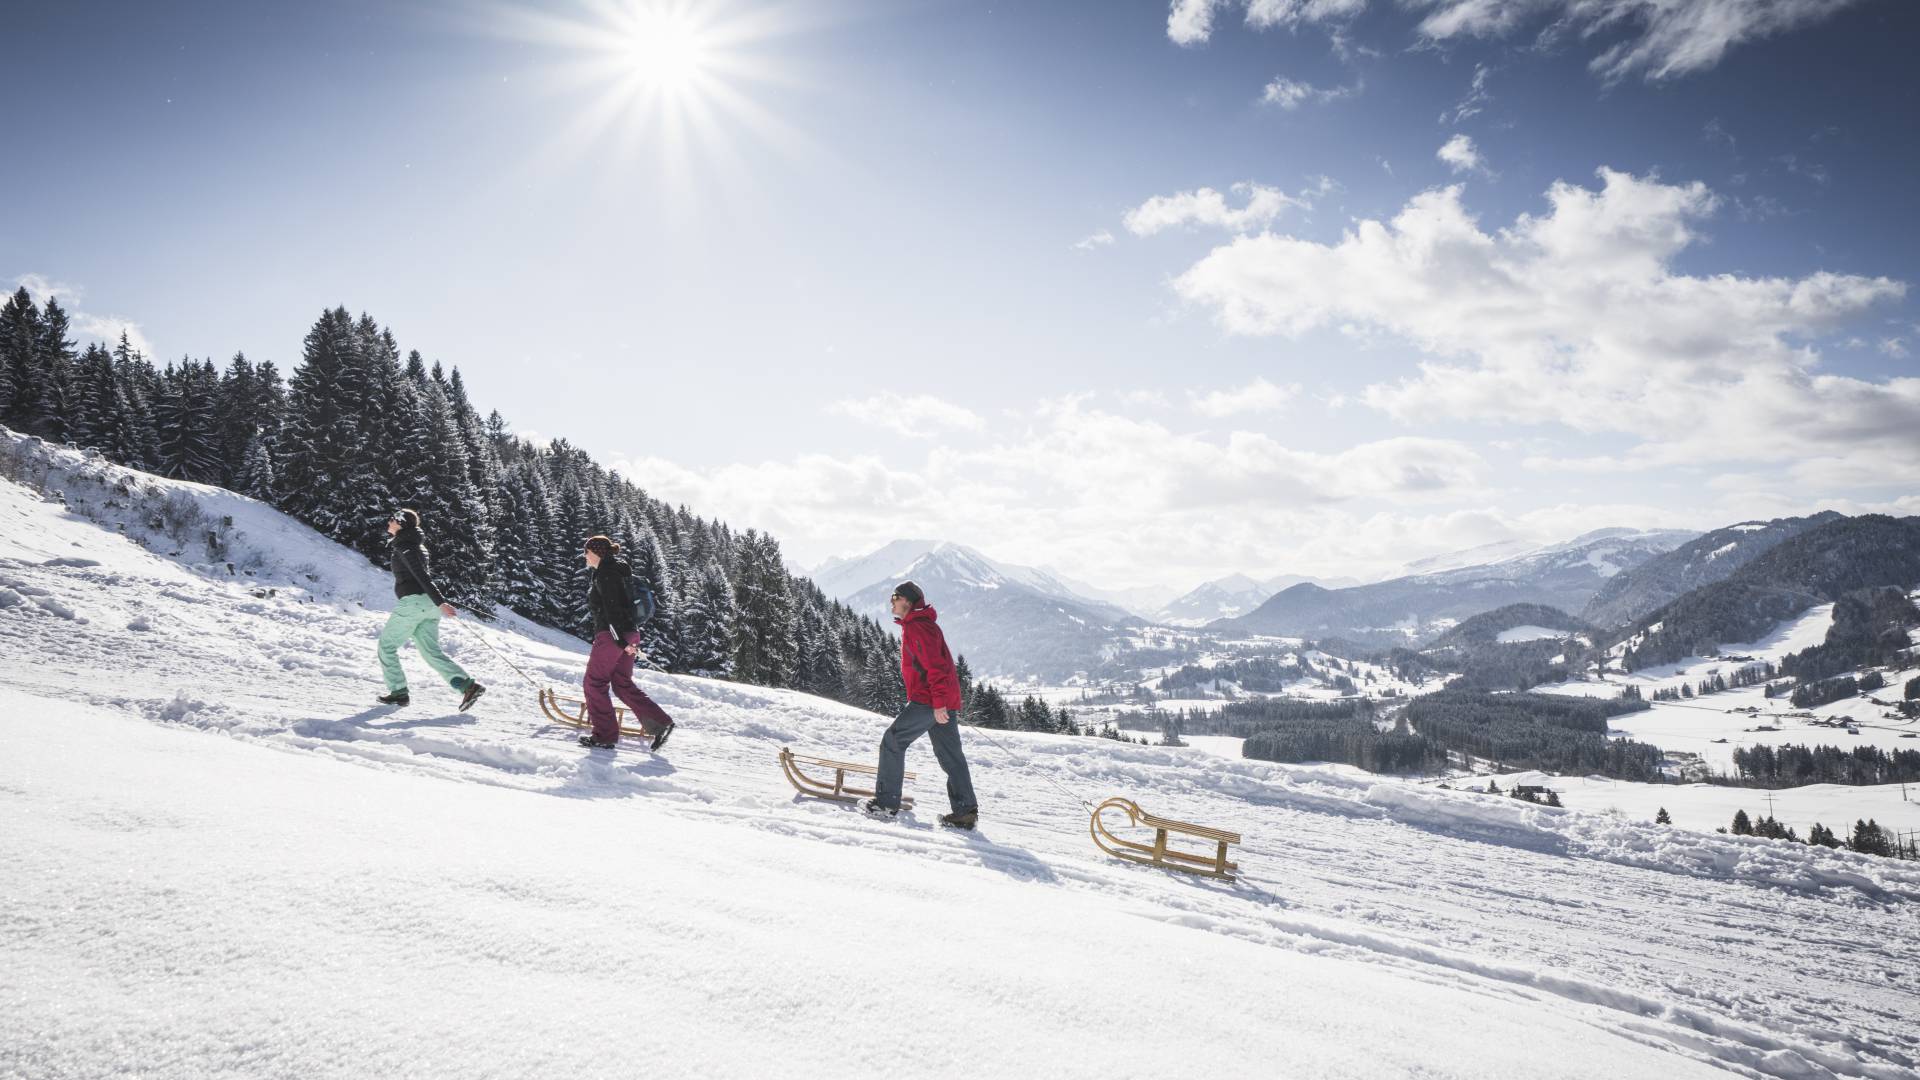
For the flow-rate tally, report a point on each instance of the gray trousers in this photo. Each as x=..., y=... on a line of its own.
x=914, y=721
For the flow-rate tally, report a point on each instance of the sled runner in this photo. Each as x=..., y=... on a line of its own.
x=572, y=711
x=837, y=790
x=1157, y=853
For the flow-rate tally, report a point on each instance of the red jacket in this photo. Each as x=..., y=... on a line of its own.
x=925, y=664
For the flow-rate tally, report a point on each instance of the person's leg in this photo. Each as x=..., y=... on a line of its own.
x=600, y=664
x=946, y=749
x=426, y=638
x=908, y=726
x=651, y=716
x=393, y=635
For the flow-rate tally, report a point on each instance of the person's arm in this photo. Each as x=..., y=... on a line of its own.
x=942, y=681
x=417, y=567
x=619, y=609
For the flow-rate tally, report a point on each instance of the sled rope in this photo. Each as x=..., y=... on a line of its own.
x=503, y=659
x=1028, y=764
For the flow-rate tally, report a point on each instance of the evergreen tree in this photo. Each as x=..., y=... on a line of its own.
x=1662, y=818
x=19, y=341
x=52, y=399
x=1870, y=839
x=187, y=423
x=319, y=451
x=1822, y=836
x=255, y=477
x=1742, y=825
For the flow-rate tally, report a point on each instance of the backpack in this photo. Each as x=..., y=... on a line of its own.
x=644, y=604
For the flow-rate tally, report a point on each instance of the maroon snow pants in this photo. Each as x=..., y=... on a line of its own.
x=609, y=666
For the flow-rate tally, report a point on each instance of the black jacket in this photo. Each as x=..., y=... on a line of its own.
x=410, y=576
x=610, y=599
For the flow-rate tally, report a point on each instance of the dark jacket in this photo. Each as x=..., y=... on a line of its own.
x=610, y=599
x=925, y=664
x=410, y=576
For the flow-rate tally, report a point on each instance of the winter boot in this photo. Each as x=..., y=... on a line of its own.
x=592, y=743
x=398, y=697
x=873, y=807
x=472, y=694
x=660, y=737
x=965, y=820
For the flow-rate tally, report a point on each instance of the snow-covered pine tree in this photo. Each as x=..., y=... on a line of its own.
x=450, y=509
x=519, y=537
x=139, y=383
x=319, y=443
x=19, y=340
x=187, y=422
x=256, y=477
x=54, y=374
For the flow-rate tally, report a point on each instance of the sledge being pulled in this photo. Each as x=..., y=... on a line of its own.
x=1159, y=853
x=572, y=711
x=796, y=767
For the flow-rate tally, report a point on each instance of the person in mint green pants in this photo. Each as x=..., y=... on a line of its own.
x=416, y=615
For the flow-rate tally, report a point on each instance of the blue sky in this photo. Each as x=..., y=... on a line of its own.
x=1070, y=282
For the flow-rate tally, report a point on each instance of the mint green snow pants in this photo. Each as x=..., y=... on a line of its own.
x=416, y=617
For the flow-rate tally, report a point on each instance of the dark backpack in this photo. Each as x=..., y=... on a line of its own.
x=644, y=604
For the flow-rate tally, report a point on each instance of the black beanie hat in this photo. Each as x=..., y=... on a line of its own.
x=912, y=592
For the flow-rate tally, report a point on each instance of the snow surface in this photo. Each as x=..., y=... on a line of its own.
x=1529, y=632
x=1706, y=807
x=223, y=862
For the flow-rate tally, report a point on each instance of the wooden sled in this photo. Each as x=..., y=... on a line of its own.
x=572, y=711
x=1158, y=853
x=838, y=790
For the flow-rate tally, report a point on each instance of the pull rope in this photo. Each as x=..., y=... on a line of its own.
x=482, y=638
x=1003, y=748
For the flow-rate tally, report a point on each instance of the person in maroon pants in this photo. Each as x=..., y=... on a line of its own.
x=616, y=642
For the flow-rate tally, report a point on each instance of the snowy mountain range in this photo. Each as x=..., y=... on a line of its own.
x=1411, y=608
x=1005, y=619
x=1236, y=594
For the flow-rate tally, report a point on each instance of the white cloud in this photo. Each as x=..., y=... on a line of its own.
x=1461, y=155
x=1895, y=347
x=1476, y=100
x=1659, y=39
x=1257, y=396
x=1263, y=14
x=1667, y=39
x=1117, y=497
x=85, y=326
x=1190, y=22
x=1289, y=94
x=1208, y=207
x=920, y=416
x=1103, y=238
x=1576, y=317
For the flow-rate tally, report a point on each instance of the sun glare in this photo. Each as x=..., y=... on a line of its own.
x=667, y=50
x=683, y=86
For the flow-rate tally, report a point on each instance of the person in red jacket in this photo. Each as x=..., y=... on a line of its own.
x=933, y=701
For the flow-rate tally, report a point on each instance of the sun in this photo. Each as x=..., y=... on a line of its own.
x=668, y=50
x=685, y=88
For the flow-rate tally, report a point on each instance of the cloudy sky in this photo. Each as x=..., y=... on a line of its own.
x=1146, y=294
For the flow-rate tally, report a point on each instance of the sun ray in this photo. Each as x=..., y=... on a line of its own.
x=678, y=88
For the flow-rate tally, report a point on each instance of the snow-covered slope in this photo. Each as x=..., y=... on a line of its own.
x=218, y=860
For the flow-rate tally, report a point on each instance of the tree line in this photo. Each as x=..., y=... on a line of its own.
x=360, y=429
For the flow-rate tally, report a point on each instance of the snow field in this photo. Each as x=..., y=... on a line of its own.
x=239, y=867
